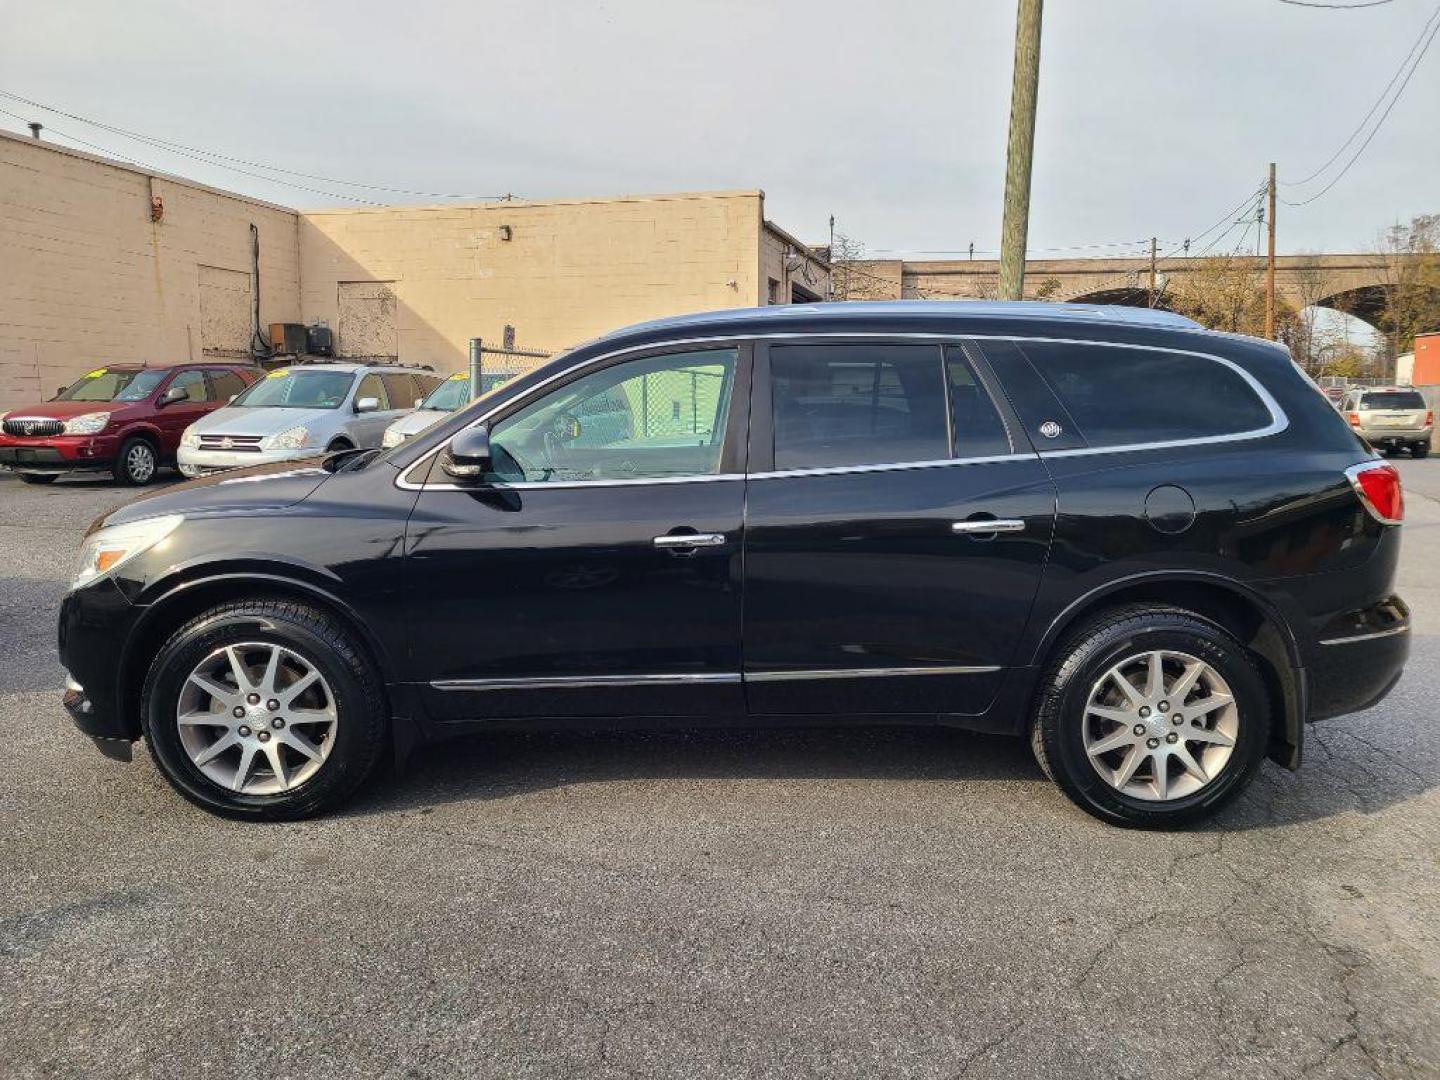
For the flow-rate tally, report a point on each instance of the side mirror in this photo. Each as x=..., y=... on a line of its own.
x=174, y=394
x=419, y=401
x=469, y=454
x=367, y=404
x=231, y=399
x=60, y=390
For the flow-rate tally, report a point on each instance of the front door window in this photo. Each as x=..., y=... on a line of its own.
x=651, y=418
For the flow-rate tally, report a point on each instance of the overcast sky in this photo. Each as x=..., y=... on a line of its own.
x=1156, y=116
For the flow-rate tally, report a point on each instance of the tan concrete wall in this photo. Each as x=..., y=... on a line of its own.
x=569, y=271
x=86, y=278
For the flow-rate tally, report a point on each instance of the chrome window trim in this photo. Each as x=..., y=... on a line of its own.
x=580, y=682
x=1278, y=419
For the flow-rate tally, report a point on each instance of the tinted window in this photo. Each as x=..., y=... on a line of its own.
x=1392, y=399
x=226, y=384
x=1118, y=396
x=857, y=405
x=654, y=417
x=978, y=429
x=402, y=389
x=372, y=386
x=194, y=383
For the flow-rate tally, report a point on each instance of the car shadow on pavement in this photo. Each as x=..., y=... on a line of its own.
x=1345, y=770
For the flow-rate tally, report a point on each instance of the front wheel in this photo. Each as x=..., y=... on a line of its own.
x=264, y=709
x=1152, y=717
x=136, y=463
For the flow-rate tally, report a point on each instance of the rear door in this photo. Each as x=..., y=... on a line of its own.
x=897, y=524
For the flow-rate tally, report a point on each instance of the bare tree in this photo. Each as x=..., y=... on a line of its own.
x=1412, y=281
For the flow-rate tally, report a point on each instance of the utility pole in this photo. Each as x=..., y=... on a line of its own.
x=1152, y=271
x=1270, y=262
x=1015, y=229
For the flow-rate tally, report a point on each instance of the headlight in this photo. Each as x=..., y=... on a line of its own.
x=88, y=424
x=107, y=549
x=191, y=438
x=391, y=438
x=287, y=440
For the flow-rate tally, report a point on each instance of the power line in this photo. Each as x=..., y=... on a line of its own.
x=1378, y=101
x=218, y=158
x=1378, y=124
x=145, y=165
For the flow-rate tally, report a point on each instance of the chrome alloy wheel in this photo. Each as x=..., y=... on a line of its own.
x=257, y=718
x=1160, y=725
x=140, y=462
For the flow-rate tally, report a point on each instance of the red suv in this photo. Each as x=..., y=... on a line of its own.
x=123, y=418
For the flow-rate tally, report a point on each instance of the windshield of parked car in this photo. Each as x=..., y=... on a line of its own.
x=449, y=395
x=105, y=385
x=292, y=389
x=1393, y=399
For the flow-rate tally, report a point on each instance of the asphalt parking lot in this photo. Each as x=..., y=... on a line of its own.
x=885, y=903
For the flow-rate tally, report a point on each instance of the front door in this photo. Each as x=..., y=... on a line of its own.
x=896, y=529
x=174, y=418
x=596, y=571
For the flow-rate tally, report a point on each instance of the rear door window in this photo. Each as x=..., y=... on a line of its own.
x=1121, y=396
x=976, y=426
x=225, y=383
x=402, y=389
x=838, y=405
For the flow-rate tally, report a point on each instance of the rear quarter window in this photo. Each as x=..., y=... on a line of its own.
x=1118, y=396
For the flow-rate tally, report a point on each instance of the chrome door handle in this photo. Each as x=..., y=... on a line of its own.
x=689, y=540
x=988, y=525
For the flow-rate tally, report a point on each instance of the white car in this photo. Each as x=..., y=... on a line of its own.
x=452, y=394
x=300, y=412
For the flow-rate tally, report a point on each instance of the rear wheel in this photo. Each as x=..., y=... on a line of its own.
x=1152, y=717
x=264, y=709
x=37, y=478
x=136, y=463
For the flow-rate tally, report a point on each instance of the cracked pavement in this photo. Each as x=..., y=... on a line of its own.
x=860, y=903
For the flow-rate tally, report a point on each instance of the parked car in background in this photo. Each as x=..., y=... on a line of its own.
x=1390, y=418
x=1151, y=550
x=126, y=419
x=450, y=395
x=302, y=411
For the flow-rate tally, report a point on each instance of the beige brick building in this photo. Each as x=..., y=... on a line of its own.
x=101, y=262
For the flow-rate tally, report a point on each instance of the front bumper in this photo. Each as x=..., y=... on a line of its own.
x=94, y=620
x=1359, y=659
x=195, y=462
x=58, y=453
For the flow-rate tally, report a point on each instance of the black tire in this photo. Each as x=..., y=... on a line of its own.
x=1420, y=449
x=137, y=463
x=339, y=445
x=1057, y=735
x=37, y=478
x=360, y=733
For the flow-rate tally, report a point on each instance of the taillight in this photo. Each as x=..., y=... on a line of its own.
x=1378, y=486
x=1429, y=418
x=1354, y=419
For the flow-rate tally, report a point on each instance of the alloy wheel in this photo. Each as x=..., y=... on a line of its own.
x=140, y=462
x=257, y=718
x=1160, y=725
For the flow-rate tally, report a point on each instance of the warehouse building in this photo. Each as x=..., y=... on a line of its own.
x=104, y=262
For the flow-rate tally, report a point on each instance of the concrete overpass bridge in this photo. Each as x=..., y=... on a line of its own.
x=1357, y=284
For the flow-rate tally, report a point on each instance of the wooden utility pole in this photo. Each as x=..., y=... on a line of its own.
x=1015, y=230
x=1152, y=271
x=1270, y=262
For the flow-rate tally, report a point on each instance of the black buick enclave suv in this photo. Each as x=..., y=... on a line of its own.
x=1153, y=550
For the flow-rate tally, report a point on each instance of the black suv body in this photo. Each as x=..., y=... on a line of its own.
x=1154, y=550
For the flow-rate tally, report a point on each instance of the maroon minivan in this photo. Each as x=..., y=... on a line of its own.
x=122, y=418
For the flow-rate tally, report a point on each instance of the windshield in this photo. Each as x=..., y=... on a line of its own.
x=1393, y=399
x=292, y=389
x=449, y=395
x=103, y=385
